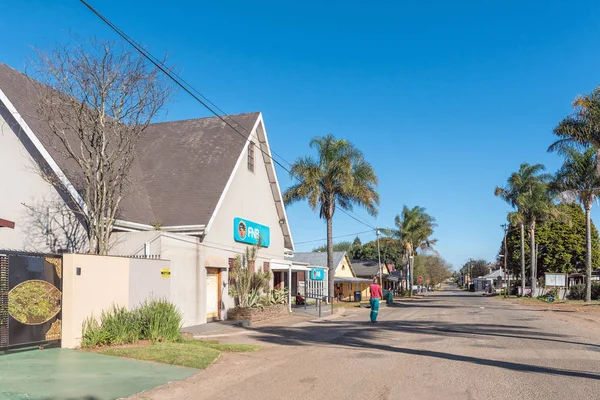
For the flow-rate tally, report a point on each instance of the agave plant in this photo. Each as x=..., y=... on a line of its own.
x=246, y=285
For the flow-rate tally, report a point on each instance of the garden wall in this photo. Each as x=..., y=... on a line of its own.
x=92, y=284
x=258, y=314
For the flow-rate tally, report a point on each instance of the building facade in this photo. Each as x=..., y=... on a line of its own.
x=202, y=191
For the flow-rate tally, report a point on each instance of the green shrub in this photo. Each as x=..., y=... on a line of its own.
x=595, y=290
x=155, y=320
x=577, y=292
x=161, y=321
x=93, y=334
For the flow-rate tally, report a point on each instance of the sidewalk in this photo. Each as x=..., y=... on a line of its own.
x=223, y=330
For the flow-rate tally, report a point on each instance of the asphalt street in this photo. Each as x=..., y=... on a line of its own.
x=449, y=345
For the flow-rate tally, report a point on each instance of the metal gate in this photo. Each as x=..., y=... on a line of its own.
x=30, y=299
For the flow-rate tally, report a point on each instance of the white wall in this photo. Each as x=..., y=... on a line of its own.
x=106, y=281
x=22, y=184
x=184, y=254
x=146, y=281
x=248, y=197
x=186, y=279
x=132, y=243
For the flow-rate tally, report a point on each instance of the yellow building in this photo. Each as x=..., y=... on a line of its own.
x=369, y=269
x=346, y=282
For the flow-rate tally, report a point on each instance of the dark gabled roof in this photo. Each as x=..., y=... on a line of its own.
x=181, y=167
x=318, y=259
x=206, y=149
x=365, y=268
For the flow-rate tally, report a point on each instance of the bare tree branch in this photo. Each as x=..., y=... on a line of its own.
x=97, y=100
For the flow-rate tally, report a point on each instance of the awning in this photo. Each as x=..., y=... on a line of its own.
x=351, y=280
x=391, y=278
x=4, y=223
x=285, y=265
x=216, y=262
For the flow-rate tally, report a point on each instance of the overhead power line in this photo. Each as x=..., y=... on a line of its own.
x=337, y=237
x=199, y=97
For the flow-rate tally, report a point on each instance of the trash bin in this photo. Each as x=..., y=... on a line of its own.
x=387, y=296
x=357, y=296
x=390, y=298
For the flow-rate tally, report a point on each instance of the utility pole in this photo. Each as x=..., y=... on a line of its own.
x=411, y=261
x=505, y=226
x=379, y=257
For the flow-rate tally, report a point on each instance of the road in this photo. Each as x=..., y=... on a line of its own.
x=449, y=345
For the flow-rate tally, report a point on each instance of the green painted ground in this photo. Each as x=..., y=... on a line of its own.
x=76, y=375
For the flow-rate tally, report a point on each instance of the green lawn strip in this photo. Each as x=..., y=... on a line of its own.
x=234, y=348
x=189, y=353
x=543, y=300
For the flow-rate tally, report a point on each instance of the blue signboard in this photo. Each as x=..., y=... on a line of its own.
x=245, y=231
x=317, y=274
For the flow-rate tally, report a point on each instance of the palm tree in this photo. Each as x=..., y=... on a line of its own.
x=414, y=228
x=578, y=180
x=520, y=182
x=582, y=127
x=537, y=206
x=338, y=177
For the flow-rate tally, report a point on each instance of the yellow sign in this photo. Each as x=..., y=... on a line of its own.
x=165, y=272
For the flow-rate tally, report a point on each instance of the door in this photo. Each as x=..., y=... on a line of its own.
x=212, y=293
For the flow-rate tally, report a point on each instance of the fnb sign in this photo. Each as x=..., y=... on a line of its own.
x=317, y=274
x=245, y=231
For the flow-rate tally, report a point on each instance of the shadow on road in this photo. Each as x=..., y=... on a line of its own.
x=362, y=335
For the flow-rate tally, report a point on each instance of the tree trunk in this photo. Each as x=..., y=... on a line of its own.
x=588, y=253
x=330, y=267
x=533, y=266
x=411, y=269
x=522, y=226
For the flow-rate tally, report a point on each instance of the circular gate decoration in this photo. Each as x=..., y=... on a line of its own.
x=34, y=302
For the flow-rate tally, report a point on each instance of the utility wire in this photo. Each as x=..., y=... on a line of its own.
x=189, y=89
x=181, y=82
x=337, y=237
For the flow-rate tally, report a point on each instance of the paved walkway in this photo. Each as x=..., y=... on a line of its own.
x=76, y=375
x=449, y=345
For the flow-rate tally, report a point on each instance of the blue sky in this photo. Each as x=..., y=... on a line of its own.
x=445, y=100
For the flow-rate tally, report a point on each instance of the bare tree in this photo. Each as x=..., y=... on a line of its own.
x=97, y=101
x=54, y=225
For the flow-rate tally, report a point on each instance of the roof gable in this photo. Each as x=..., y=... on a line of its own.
x=185, y=166
x=22, y=93
x=367, y=268
x=181, y=169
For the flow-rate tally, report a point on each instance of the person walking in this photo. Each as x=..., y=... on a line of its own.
x=376, y=294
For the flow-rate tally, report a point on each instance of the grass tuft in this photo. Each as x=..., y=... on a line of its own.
x=155, y=320
x=189, y=353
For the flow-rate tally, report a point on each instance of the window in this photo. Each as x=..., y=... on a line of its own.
x=251, y=157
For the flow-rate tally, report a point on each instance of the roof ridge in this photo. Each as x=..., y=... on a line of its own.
x=204, y=118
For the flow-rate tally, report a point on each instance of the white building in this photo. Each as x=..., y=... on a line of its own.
x=200, y=194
